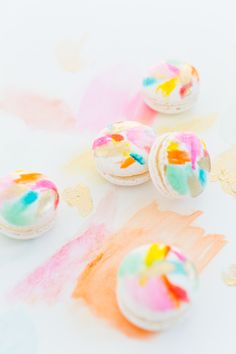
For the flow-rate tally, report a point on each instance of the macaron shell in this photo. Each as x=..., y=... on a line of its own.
x=183, y=164
x=148, y=321
x=27, y=233
x=28, y=204
x=154, y=166
x=122, y=149
x=156, y=284
x=126, y=181
x=171, y=87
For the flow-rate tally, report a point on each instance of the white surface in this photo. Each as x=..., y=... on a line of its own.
x=137, y=33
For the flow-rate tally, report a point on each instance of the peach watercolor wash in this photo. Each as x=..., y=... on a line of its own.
x=38, y=111
x=107, y=99
x=96, y=284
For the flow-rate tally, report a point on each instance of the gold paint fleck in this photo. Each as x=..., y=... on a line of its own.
x=79, y=197
x=224, y=171
x=197, y=124
x=229, y=275
x=82, y=162
x=69, y=54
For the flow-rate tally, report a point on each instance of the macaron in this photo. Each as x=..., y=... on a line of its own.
x=179, y=164
x=156, y=285
x=28, y=204
x=171, y=87
x=121, y=152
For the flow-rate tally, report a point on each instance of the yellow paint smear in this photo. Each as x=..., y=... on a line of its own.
x=82, y=162
x=224, y=171
x=96, y=286
x=197, y=124
x=168, y=86
x=79, y=197
x=229, y=276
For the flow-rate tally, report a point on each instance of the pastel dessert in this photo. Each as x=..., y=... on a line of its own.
x=121, y=152
x=171, y=87
x=156, y=285
x=179, y=164
x=28, y=204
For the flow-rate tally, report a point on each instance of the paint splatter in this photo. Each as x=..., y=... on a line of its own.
x=224, y=171
x=79, y=197
x=146, y=226
x=38, y=111
x=197, y=124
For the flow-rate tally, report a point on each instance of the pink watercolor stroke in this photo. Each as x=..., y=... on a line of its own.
x=111, y=97
x=50, y=281
x=47, y=283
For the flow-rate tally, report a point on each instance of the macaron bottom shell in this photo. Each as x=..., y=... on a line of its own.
x=27, y=233
x=126, y=181
x=151, y=322
x=168, y=107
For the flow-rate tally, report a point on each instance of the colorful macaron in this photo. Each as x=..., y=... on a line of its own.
x=171, y=87
x=28, y=204
x=156, y=285
x=179, y=164
x=121, y=152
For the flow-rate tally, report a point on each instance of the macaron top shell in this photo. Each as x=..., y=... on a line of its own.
x=122, y=149
x=171, y=82
x=156, y=282
x=27, y=199
x=182, y=163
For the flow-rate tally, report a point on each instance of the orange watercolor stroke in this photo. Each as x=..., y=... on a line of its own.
x=96, y=286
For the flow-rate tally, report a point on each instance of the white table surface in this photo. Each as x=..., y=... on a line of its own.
x=133, y=34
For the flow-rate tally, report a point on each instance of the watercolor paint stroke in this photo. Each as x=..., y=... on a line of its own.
x=149, y=224
x=38, y=111
x=224, y=170
x=112, y=97
x=193, y=123
x=48, y=282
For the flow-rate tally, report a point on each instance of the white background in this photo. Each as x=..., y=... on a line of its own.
x=138, y=33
